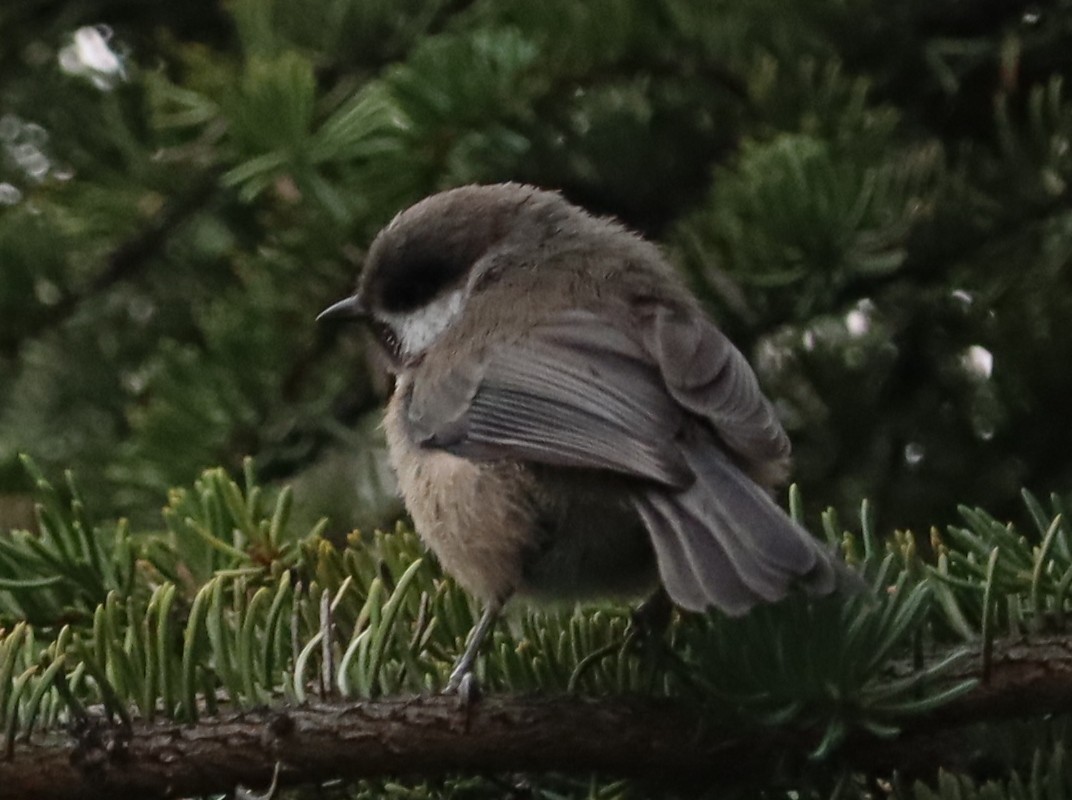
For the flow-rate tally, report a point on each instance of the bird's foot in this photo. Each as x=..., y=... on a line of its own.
x=651, y=618
x=462, y=680
x=467, y=689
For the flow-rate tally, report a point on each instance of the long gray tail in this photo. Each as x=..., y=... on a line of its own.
x=724, y=542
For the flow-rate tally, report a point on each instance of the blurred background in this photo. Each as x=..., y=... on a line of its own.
x=873, y=199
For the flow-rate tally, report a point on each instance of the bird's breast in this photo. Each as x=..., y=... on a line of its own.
x=475, y=516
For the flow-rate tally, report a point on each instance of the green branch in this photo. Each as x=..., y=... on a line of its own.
x=126, y=261
x=434, y=736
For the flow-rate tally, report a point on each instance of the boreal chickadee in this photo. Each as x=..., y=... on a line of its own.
x=566, y=421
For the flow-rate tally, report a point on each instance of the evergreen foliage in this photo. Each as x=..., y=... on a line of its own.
x=232, y=605
x=873, y=199
x=868, y=197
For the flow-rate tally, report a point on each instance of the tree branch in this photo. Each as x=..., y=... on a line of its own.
x=625, y=736
x=126, y=261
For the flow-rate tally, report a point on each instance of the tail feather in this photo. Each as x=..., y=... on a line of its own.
x=723, y=541
x=695, y=570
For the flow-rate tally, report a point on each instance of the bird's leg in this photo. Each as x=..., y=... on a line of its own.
x=463, y=667
x=652, y=617
x=647, y=629
x=647, y=623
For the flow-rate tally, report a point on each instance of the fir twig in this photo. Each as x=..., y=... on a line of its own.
x=125, y=261
x=430, y=736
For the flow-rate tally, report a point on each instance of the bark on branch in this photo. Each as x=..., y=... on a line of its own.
x=434, y=736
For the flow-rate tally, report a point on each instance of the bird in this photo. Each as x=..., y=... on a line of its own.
x=567, y=423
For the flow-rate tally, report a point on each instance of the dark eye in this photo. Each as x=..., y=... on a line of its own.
x=414, y=279
x=387, y=339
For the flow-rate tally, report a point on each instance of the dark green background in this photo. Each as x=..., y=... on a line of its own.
x=861, y=191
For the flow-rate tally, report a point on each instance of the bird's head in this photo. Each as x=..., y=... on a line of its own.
x=425, y=265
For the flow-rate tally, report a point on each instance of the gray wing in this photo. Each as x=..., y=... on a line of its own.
x=709, y=377
x=574, y=392
x=579, y=392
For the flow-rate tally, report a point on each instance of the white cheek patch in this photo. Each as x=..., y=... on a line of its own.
x=416, y=330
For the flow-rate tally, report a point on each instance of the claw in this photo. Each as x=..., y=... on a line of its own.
x=651, y=619
x=468, y=691
x=461, y=677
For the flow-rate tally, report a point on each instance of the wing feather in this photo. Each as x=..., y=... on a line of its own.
x=709, y=377
x=661, y=407
x=573, y=393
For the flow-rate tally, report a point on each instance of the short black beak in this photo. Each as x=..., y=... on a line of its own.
x=350, y=308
